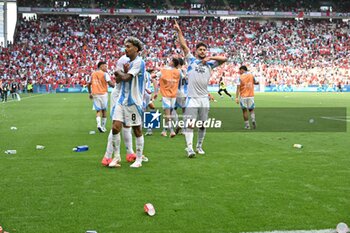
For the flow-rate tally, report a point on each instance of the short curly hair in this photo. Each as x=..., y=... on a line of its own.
x=135, y=42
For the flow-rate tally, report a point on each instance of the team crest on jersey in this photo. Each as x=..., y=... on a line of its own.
x=200, y=69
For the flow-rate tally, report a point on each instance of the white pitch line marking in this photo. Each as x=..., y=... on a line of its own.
x=337, y=118
x=297, y=231
x=23, y=98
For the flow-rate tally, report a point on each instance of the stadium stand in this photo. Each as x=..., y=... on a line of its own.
x=62, y=50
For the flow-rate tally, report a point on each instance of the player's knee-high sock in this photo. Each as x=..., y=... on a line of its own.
x=189, y=138
x=116, y=144
x=98, y=121
x=170, y=126
x=139, y=147
x=166, y=126
x=174, y=116
x=127, y=135
x=104, y=120
x=252, y=116
x=109, y=149
x=201, y=135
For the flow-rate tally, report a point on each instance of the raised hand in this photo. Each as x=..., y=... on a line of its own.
x=176, y=26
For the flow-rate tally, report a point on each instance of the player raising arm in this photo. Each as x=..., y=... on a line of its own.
x=199, y=72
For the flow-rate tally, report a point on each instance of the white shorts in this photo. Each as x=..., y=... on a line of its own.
x=129, y=115
x=100, y=102
x=247, y=103
x=197, y=108
x=146, y=101
x=168, y=103
x=180, y=102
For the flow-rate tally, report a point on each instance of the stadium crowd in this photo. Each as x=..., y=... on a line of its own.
x=64, y=50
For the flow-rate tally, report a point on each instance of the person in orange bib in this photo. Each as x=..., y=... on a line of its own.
x=169, y=78
x=245, y=95
x=98, y=92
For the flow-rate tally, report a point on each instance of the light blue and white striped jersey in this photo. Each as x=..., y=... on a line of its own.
x=116, y=90
x=198, y=76
x=131, y=92
x=148, y=82
x=183, y=85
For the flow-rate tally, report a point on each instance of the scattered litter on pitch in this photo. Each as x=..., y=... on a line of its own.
x=149, y=209
x=299, y=146
x=11, y=152
x=40, y=147
x=81, y=148
x=342, y=228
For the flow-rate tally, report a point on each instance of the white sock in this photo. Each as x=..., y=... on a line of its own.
x=127, y=136
x=170, y=126
x=109, y=149
x=104, y=120
x=165, y=127
x=252, y=116
x=139, y=147
x=174, y=115
x=18, y=97
x=189, y=138
x=98, y=121
x=201, y=135
x=246, y=123
x=116, y=143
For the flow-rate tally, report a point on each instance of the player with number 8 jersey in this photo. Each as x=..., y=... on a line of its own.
x=128, y=109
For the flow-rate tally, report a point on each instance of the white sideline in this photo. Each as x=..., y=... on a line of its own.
x=297, y=231
x=335, y=118
x=23, y=98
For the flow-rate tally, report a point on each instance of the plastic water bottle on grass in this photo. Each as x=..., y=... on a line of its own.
x=10, y=152
x=40, y=147
x=81, y=148
x=299, y=146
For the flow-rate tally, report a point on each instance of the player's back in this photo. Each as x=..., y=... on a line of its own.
x=98, y=82
x=246, y=83
x=169, y=82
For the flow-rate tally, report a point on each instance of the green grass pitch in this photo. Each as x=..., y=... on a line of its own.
x=247, y=181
